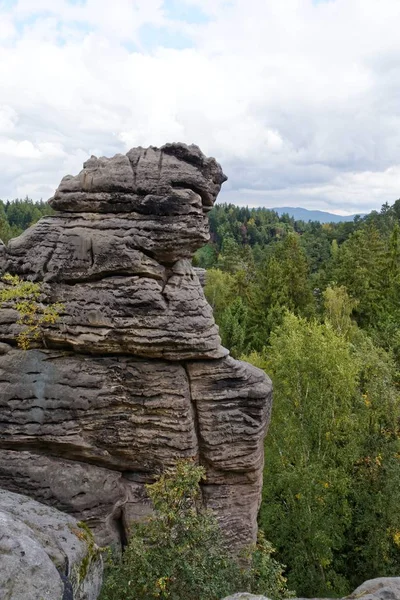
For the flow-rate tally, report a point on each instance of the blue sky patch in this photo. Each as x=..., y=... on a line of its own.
x=177, y=10
x=152, y=37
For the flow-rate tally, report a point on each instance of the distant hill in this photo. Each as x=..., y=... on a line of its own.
x=302, y=214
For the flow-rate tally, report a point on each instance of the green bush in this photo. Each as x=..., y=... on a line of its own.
x=178, y=552
x=24, y=296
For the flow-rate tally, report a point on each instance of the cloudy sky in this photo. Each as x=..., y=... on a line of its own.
x=298, y=99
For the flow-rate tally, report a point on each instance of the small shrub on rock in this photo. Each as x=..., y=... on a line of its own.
x=24, y=296
x=178, y=552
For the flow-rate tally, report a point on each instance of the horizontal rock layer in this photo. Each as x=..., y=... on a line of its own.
x=123, y=420
x=130, y=315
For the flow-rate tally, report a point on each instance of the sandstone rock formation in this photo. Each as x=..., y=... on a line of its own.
x=44, y=554
x=133, y=375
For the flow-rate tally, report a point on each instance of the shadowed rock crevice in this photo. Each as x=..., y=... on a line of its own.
x=133, y=375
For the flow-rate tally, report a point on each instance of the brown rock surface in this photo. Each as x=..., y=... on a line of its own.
x=133, y=375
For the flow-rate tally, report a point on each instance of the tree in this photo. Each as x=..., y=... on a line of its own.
x=361, y=264
x=178, y=552
x=286, y=277
x=310, y=449
x=5, y=230
x=332, y=475
x=233, y=327
x=282, y=284
x=339, y=308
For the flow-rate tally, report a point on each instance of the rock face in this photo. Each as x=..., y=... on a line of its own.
x=133, y=375
x=44, y=553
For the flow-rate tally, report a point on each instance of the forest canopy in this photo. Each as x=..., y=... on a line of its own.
x=18, y=215
x=318, y=307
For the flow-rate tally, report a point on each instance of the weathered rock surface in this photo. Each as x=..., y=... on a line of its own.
x=44, y=554
x=381, y=588
x=133, y=375
x=245, y=596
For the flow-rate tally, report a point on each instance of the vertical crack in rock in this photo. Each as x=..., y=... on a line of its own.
x=134, y=166
x=160, y=161
x=121, y=529
x=195, y=416
x=47, y=261
x=91, y=253
x=133, y=376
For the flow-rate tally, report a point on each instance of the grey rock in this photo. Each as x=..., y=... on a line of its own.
x=119, y=421
x=381, y=588
x=93, y=494
x=132, y=376
x=118, y=413
x=201, y=274
x=145, y=180
x=44, y=552
x=245, y=596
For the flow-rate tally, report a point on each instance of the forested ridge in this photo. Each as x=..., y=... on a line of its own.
x=17, y=215
x=317, y=306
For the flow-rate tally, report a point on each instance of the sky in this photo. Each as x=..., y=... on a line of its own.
x=299, y=100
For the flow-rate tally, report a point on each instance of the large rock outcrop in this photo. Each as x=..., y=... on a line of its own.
x=133, y=375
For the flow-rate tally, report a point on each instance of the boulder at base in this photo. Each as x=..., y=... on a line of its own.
x=245, y=596
x=45, y=554
x=382, y=588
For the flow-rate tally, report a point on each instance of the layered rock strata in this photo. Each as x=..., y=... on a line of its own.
x=133, y=375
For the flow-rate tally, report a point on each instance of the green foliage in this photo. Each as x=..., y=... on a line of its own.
x=332, y=477
x=16, y=216
x=220, y=290
x=205, y=257
x=285, y=277
x=24, y=296
x=373, y=541
x=5, y=229
x=93, y=552
x=178, y=551
x=339, y=308
x=234, y=324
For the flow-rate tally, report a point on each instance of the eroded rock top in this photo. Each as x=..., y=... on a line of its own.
x=145, y=180
x=117, y=256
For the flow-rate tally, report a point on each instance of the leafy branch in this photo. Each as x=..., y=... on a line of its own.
x=25, y=297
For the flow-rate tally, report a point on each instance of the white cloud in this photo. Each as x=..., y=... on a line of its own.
x=8, y=118
x=24, y=149
x=299, y=101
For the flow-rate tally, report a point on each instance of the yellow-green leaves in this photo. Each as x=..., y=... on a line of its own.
x=24, y=296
